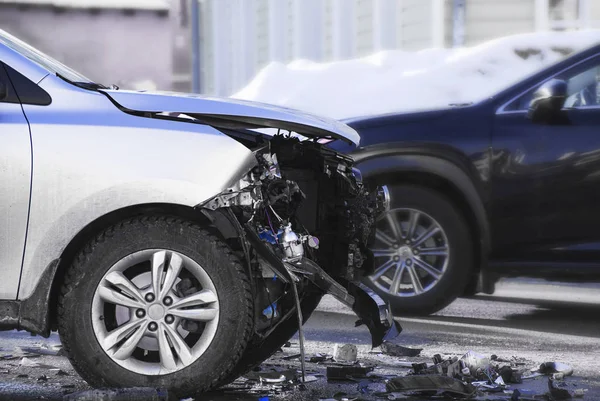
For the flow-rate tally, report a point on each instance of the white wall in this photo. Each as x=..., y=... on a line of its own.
x=488, y=19
x=110, y=46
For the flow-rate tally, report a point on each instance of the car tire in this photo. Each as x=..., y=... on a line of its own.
x=260, y=350
x=187, y=372
x=449, y=251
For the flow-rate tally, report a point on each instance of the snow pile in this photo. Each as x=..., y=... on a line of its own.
x=392, y=81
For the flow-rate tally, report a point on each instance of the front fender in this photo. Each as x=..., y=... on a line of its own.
x=91, y=159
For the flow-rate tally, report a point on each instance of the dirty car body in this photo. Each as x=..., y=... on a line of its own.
x=165, y=235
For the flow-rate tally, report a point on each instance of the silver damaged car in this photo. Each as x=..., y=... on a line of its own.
x=173, y=240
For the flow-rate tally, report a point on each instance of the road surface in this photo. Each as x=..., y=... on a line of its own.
x=531, y=320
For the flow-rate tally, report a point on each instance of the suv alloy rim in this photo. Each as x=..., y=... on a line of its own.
x=155, y=312
x=411, y=253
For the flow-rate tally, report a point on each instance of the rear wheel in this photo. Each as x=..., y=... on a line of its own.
x=423, y=252
x=156, y=302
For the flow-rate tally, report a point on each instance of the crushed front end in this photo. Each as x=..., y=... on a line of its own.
x=304, y=220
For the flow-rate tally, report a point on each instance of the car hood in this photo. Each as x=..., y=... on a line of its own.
x=408, y=116
x=216, y=111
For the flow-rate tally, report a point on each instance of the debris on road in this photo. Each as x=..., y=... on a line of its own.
x=41, y=350
x=125, y=394
x=273, y=376
x=345, y=353
x=432, y=384
x=398, y=350
x=59, y=372
x=548, y=368
x=342, y=373
x=290, y=357
x=27, y=362
x=318, y=358
x=556, y=393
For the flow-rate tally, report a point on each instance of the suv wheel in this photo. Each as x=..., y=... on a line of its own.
x=422, y=252
x=159, y=302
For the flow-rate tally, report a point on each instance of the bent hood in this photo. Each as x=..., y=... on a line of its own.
x=216, y=111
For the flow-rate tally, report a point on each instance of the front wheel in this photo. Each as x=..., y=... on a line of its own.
x=156, y=302
x=423, y=252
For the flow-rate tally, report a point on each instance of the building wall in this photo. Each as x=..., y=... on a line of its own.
x=328, y=30
x=262, y=33
x=489, y=19
x=415, y=24
x=108, y=46
x=364, y=27
x=594, y=13
x=316, y=30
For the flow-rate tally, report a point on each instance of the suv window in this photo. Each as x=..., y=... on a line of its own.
x=582, y=87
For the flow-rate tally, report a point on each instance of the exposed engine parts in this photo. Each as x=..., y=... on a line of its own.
x=303, y=206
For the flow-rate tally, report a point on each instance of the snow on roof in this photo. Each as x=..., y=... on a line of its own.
x=393, y=81
x=158, y=5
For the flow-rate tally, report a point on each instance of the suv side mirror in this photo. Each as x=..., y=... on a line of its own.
x=548, y=101
x=3, y=91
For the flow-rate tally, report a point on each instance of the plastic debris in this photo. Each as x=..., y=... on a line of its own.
x=59, y=372
x=290, y=357
x=346, y=353
x=273, y=376
x=398, y=350
x=129, y=394
x=41, y=350
x=558, y=376
x=347, y=372
x=27, y=362
x=509, y=375
x=433, y=383
x=474, y=361
x=556, y=393
x=548, y=368
x=320, y=358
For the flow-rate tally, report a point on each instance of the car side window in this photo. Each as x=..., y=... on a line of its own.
x=583, y=89
x=20, y=89
x=10, y=95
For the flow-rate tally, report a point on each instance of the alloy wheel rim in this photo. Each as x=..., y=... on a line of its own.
x=411, y=253
x=155, y=312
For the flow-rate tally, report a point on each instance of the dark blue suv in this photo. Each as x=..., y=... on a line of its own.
x=506, y=186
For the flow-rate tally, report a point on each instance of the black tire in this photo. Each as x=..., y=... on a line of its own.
x=460, y=264
x=230, y=279
x=260, y=350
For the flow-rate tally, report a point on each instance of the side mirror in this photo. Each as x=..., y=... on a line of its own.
x=3, y=91
x=548, y=101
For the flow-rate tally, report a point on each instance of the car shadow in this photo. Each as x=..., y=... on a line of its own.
x=578, y=319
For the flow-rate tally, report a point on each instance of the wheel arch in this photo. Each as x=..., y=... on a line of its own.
x=446, y=178
x=103, y=222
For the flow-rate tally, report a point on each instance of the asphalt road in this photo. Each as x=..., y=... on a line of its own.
x=530, y=320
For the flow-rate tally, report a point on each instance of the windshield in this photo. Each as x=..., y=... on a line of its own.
x=40, y=58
